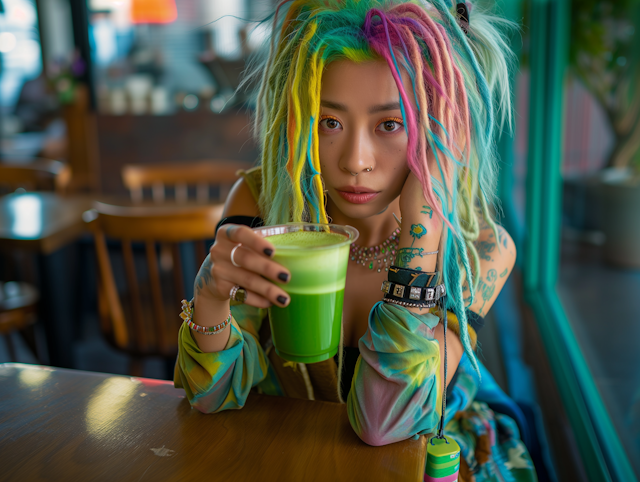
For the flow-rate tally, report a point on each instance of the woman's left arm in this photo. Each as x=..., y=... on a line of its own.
x=397, y=386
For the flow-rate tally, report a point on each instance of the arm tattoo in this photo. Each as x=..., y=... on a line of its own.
x=504, y=273
x=487, y=288
x=406, y=255
x=427, y=210
x=204, y=277
x=502, y=233
x=484, y=249
x=502, y=236
x=417, y=231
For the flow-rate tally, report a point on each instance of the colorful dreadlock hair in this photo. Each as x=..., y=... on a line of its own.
x=459, y=82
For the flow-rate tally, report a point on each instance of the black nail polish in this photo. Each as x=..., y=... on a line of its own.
x=268, y=251
x=282, y=299
x=284, y=277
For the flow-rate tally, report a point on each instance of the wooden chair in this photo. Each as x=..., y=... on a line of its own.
x=139, y=288
x=201, y=175
x=17, y=314
x=34, y=175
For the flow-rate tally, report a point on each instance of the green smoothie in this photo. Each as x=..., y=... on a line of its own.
x=308, y=329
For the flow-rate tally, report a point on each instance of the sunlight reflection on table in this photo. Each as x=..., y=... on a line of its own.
x=105, y=418
x=34, y=377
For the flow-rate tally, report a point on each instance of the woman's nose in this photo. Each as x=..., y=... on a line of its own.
x=358, y=154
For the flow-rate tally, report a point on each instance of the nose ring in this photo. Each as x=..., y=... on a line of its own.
x=368, y=169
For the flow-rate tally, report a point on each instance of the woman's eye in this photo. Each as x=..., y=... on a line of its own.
x=390, y=125
x=330, y=124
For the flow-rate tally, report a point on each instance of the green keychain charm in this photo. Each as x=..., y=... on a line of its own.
x=443, y=453
x=443, y=460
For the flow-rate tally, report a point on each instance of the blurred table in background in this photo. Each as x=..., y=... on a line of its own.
x=58, y=424
x=47, y=224
x=41, y=221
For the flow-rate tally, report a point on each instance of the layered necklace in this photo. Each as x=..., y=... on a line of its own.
x=377, y=258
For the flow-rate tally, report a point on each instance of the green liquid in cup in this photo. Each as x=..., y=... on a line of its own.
x=308, y=329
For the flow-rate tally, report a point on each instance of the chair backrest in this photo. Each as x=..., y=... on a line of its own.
x=141, y=283
x=34, y=175
x=182, y=177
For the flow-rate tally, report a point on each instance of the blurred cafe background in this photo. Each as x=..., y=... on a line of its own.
x=122, y=126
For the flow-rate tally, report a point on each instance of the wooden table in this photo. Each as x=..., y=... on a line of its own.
x=41, y=221
x=58, y=424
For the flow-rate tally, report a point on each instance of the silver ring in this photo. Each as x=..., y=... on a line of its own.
x=233, y=251
x=369, y=169
x=353, y=173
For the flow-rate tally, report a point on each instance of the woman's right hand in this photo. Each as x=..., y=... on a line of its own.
x=218, y=275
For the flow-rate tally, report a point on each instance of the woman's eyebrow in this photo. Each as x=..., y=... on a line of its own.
x=383, y=107
x=372, y=110
x=334, y=105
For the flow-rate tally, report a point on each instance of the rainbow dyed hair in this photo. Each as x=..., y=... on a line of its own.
x=459, y=83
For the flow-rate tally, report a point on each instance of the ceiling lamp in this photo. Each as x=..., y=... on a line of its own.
x=153, y=11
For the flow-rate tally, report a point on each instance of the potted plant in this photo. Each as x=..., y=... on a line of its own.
x=605, y=57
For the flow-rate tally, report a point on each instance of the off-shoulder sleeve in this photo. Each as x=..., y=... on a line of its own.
x=222, y=380
x=397, y=388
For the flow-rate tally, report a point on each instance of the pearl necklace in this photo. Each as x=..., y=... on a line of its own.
x=377, y=257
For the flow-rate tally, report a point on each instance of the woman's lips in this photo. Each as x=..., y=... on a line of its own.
x=358, y=197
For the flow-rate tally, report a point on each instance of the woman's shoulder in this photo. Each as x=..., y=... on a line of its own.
x=245, y=193
x=497, y=256
x=253, y=179
x=495, y=247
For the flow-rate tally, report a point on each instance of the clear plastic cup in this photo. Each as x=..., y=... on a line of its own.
x=316, y=255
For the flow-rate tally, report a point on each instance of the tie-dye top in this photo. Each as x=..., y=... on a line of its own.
x=396, y=389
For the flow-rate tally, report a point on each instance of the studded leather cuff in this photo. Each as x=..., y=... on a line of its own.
x=412, y=295
x=412, y=277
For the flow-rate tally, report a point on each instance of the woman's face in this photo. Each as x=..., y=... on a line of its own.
x=361, y=128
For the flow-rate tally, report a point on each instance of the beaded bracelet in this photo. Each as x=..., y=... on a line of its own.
x=187, y=315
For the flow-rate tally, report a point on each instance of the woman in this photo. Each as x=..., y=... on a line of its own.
x=369, y=113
